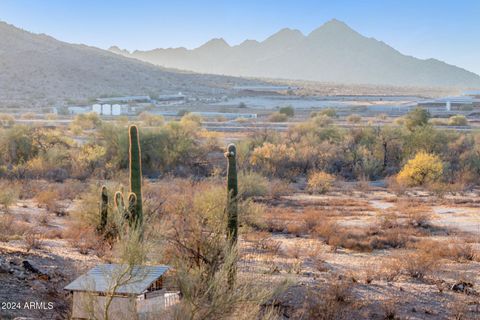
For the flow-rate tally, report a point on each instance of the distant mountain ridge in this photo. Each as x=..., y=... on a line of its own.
x=37, y=70
x=331, y=53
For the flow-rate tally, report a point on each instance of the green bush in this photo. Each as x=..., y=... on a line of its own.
x=458, y=120
x=288, y=111
x=252, y=184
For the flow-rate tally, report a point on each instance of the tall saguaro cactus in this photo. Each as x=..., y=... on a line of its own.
x=136, y=174
x=232, y=197
x=103, y=210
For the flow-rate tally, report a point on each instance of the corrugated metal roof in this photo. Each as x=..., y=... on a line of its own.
x=128, y=280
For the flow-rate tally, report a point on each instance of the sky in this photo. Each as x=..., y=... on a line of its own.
x=441, y=29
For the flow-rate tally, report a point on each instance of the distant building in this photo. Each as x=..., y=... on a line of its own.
x=226, y=115
x=473, y=93
x=116, y=110
x=171, y=97
x=74, y=110
x=97, y=108
x=137, y=292
x=260, y=88
x=125, y=99
x=106, y=109
x=450, y=103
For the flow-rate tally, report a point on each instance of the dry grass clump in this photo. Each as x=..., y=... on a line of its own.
x=84, y=238
x=11, y=228
x=252, y=184
x=279, y=188
x=8, y=196
x=417, y=265
x=383, y=236
x=33, y=240
x=331, y=302
x=456, y=250
x=47, y=199
x=416, y=214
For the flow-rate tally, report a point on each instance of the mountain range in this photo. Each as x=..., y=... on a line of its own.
x=37, y=70
x=331, y=53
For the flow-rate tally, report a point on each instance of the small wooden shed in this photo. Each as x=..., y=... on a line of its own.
x=127, y=292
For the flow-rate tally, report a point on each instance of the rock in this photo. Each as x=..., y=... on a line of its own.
x=39, y=286
x=29, y=267
x=4, y=268
x=465, y=287
x=19, y=275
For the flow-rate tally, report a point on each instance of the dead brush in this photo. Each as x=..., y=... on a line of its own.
x=456, y=250
x=269, y=245
x=315, y=254
x=390, y=309
x=84, y=239
x=418, y=264
x=33, y=240
x=330, y=302
x=295, y=251
x=389, y=270
x=311, y=219
x=11, y=228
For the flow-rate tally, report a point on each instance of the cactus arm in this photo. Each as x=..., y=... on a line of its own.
x=103, y=210
x=132, y=210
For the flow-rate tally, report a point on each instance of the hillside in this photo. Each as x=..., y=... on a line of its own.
x=332, y=53
x=38, y=70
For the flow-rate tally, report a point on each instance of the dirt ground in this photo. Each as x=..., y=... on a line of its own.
x=346, y=283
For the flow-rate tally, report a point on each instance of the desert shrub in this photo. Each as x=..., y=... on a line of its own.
x=455, y=250
x=191, y=118
x=11, y=228
x=418, y=117
x=51, y=116
x=438, y=122
x=311, y=219
x=279, y=188
x=252, y=184
x=288, y=111
x=423, y=168
x=192, y=228
x=330, y=302
x=84, y=238
x=319, y=182
x=418, y=264
x=47, y=199
x=6, y=120
x=28, y=115
x=354, y=118
x=252, y=214
x=277, y=117
x=322, y=120
x=458, y=120
x=8, y=195
x=33, y=240
x=87, y=121
x=272, y=158
x=151, y=119
x=329, y=112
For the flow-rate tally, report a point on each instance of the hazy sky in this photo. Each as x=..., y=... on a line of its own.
x=446, y=30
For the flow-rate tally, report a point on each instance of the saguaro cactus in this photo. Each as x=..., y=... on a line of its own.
x=103, y=210
x=136, y=174
x=232, y=189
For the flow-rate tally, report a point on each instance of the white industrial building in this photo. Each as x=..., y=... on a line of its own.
x=116, y=110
